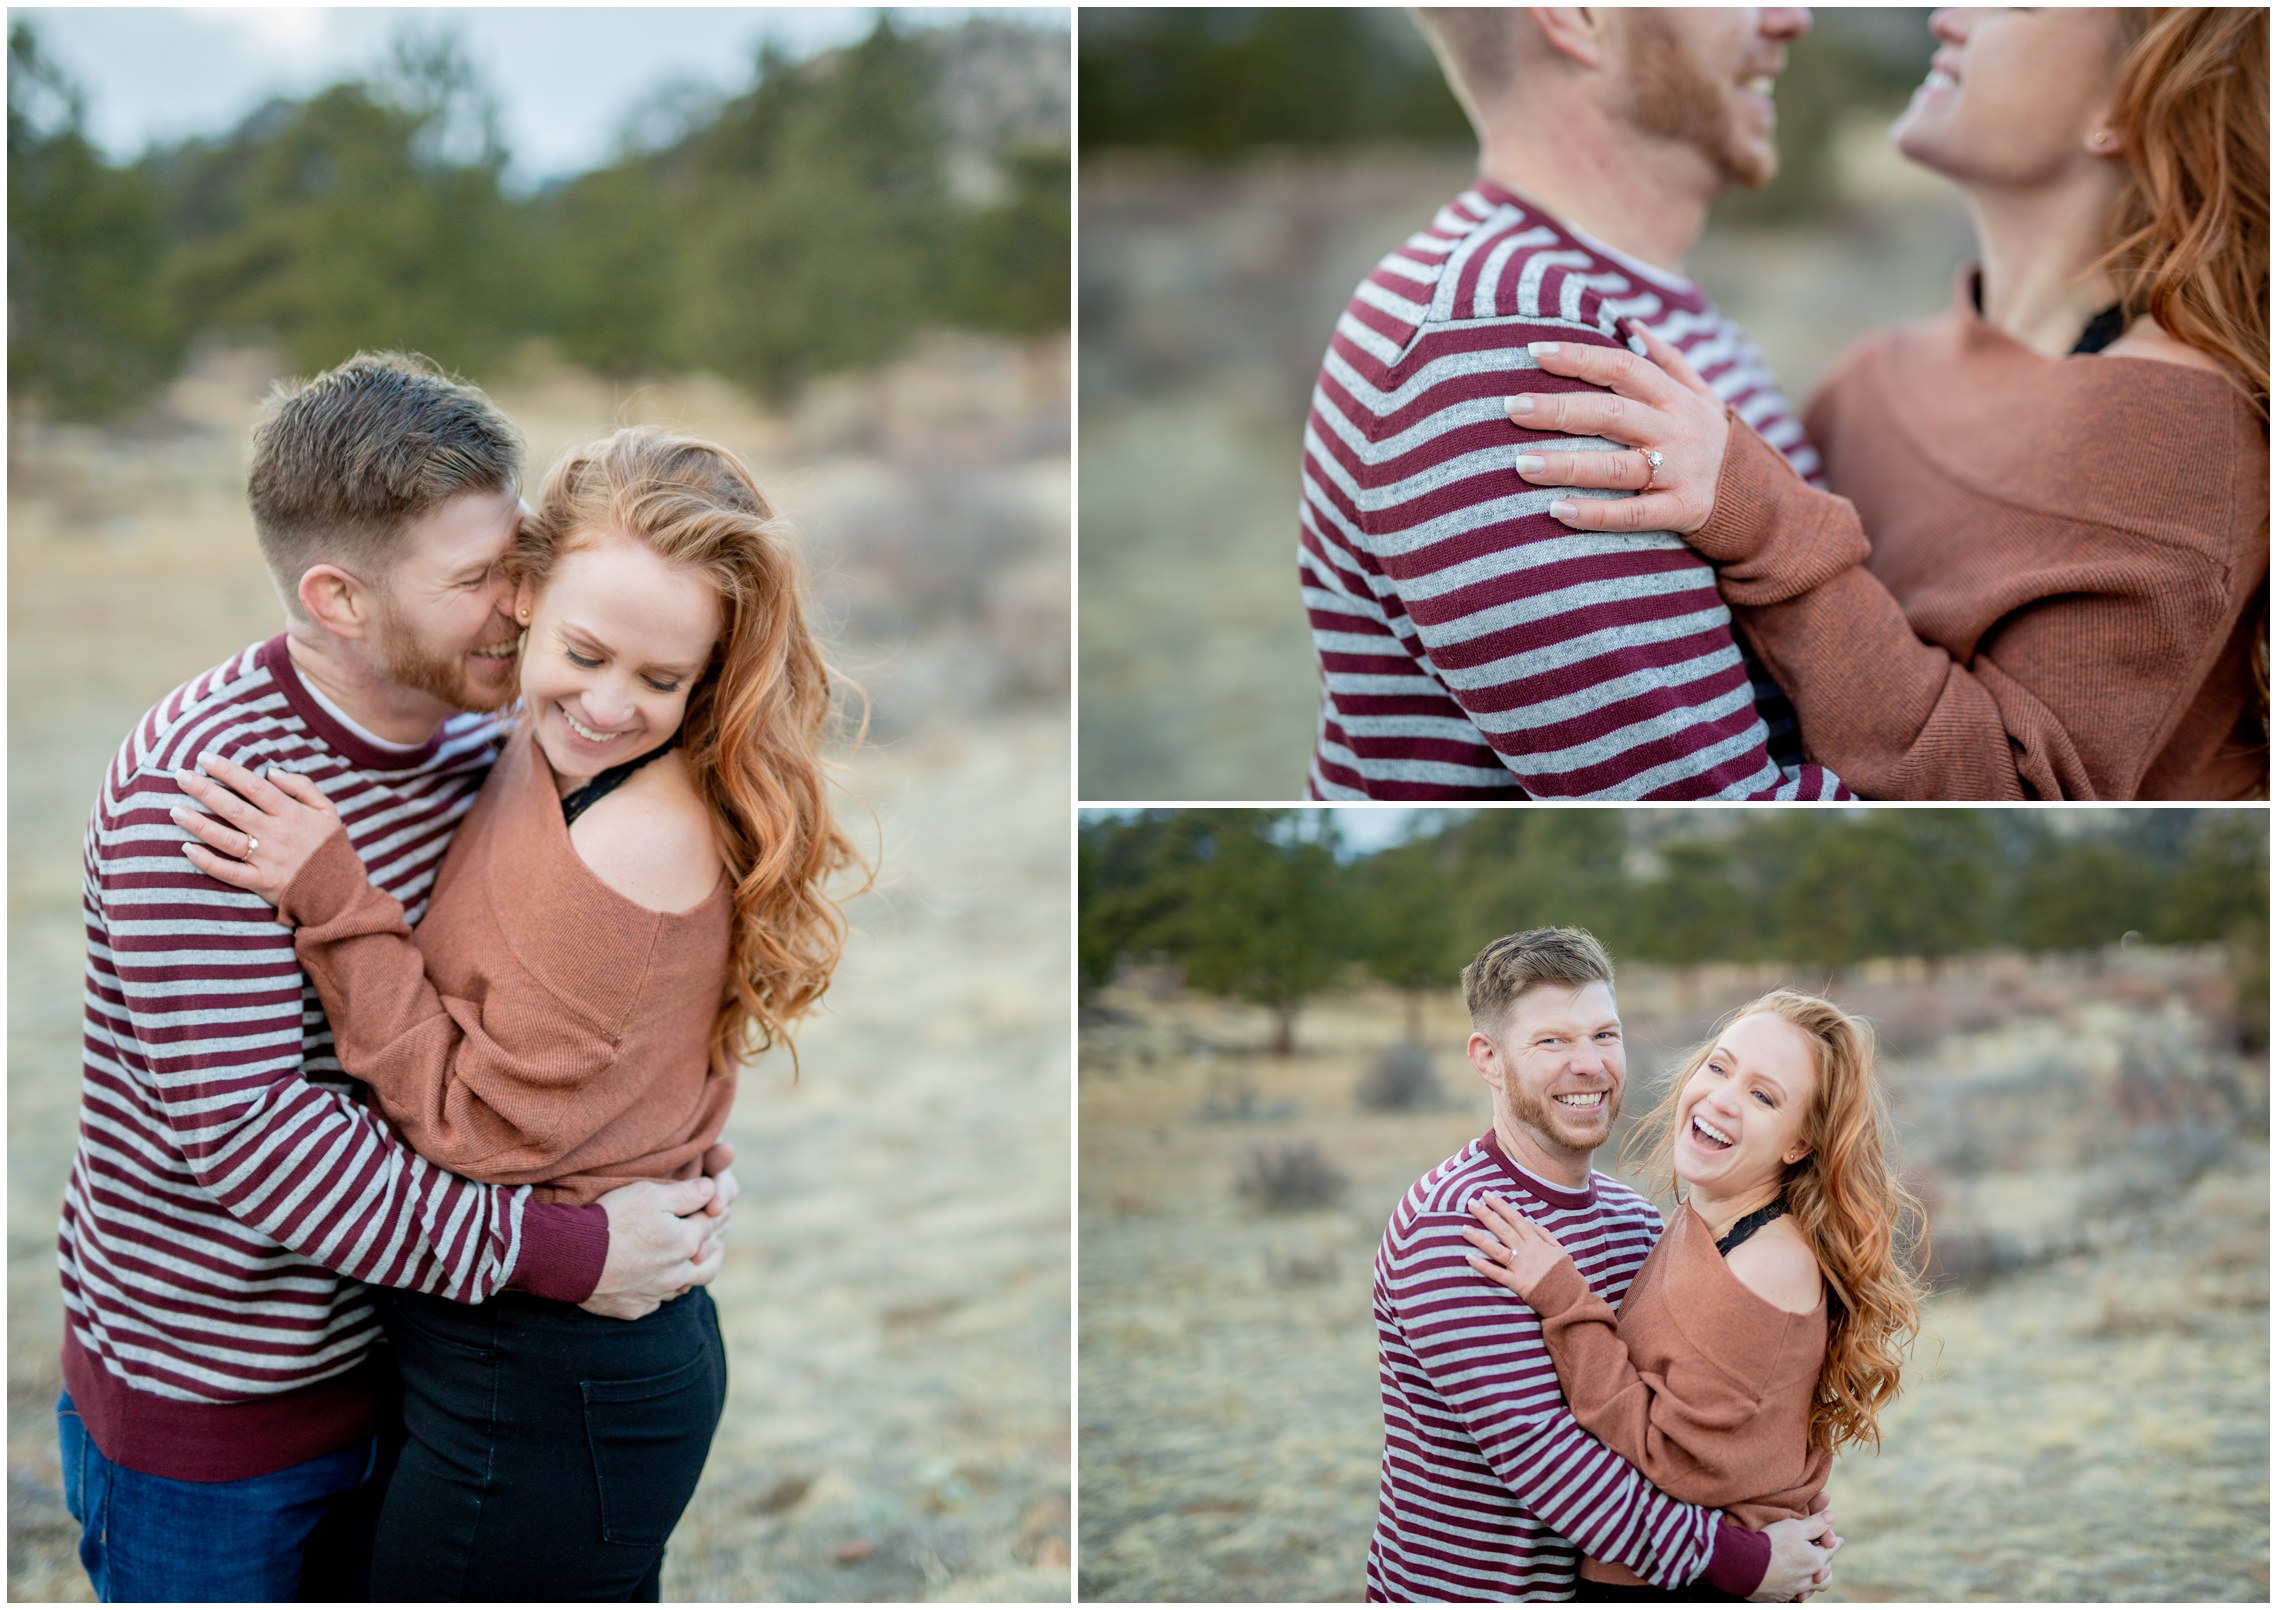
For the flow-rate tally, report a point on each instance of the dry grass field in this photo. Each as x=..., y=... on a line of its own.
x=2086, y=1417
x=896, y=1291
x=1207, y=298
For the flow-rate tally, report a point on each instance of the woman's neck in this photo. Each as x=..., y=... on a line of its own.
x=2037, y=247
x=1720, y=1213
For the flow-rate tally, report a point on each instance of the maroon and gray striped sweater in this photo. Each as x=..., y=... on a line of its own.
x=1489, y=1485
x=229, y=1196
x=1469, y=645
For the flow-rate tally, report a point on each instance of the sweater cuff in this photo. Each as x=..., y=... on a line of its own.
x=1562, y=1288
x=1738, y=1560
x=1772, y=536
x=1747, y=486
x=325, y=885
x=563, y=1249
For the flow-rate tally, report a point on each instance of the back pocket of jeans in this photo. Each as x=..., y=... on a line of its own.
x=648, y=1438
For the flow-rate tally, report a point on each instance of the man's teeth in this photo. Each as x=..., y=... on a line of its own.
x=1587, y=1098
x=1711, y=1131
x=1761, y=86
x=496, y=651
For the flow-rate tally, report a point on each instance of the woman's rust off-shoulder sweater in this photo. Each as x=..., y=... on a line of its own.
x=1701, y=1384
x=2038, y=581
x=540, y=1028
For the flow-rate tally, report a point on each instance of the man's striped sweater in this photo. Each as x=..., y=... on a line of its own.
x=1489, y=1485
x=229, y=1196
x=1469, y=645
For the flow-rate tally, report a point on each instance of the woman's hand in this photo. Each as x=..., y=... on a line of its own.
x=1514, y=1251
x=1667, y=410
x=262, y=830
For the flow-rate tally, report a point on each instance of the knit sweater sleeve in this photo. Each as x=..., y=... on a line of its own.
x=1475, y=1344
x=482, y=1088
x=1687, y=1433
x=1901, y=718
x=1592, y=666
x=206, y=978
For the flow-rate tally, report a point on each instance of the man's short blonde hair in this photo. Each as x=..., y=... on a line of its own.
x=344, y=462
x=1515, y=963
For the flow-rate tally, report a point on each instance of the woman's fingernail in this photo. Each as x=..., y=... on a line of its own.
x=1521, y=405
x=1531, y=463
x=1562, y=509
x=1541, y=348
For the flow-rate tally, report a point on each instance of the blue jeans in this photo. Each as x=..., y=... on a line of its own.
x=304, y=1532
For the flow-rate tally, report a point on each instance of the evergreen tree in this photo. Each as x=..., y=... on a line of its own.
x=90, y=332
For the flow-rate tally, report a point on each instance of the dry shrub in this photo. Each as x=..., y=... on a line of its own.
x=1972, y=1257
x=1293, y=1177
x=1400, y=1080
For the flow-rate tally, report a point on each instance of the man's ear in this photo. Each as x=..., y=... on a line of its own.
x=337, y=601
x=1574, y=32
x=1485, y=1057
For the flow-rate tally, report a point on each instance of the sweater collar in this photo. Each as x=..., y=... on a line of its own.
x=275, y=657
x=1533, y=1185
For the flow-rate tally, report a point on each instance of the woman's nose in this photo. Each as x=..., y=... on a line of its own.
x=1948, y=23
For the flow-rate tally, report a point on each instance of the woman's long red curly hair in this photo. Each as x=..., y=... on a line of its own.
x=1865, y=1228
x=2188, y=239
x=755, y=719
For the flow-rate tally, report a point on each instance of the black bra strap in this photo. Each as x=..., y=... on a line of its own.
x=1749, y=1225
x=2102, y=330
x=580, y=799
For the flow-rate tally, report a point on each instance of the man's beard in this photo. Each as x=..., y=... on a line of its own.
x=1567, y=1128
x=1673, y=97
x=408, y=663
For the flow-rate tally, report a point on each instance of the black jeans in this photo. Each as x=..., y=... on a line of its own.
x=548, y=1452
x=1612, y=1593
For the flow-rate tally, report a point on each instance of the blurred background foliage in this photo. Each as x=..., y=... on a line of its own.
x=1214, y=84
x=817, y=221
x=1271, y=907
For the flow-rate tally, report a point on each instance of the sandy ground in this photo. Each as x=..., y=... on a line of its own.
x=896, y=1291
x=2094, y=1427
x=1207, y=299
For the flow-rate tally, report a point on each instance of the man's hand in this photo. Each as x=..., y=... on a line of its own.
x=1801, y=1552
x=661, y=1242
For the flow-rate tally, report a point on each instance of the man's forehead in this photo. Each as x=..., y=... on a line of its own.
x=1543, y=1006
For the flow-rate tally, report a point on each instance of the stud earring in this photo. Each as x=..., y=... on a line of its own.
x=523, y=616
x=2100, y=138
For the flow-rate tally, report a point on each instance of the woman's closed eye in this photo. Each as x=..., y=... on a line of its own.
x=585, y=664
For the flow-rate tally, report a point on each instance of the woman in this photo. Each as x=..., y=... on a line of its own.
x=637, y=900
x=1766, y=1328
x=2046, y=573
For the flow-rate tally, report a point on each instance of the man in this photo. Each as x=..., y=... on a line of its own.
x=1489, y=1485
x=223, y=1411
x=1469, y=645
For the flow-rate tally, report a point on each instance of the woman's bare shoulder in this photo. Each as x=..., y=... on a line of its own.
x=2146, y=338
x=651, y=838
x=1777, y=1264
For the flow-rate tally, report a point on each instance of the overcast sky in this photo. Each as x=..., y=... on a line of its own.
x=565, y=78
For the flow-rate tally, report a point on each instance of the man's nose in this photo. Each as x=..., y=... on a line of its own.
x=1784, y=22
